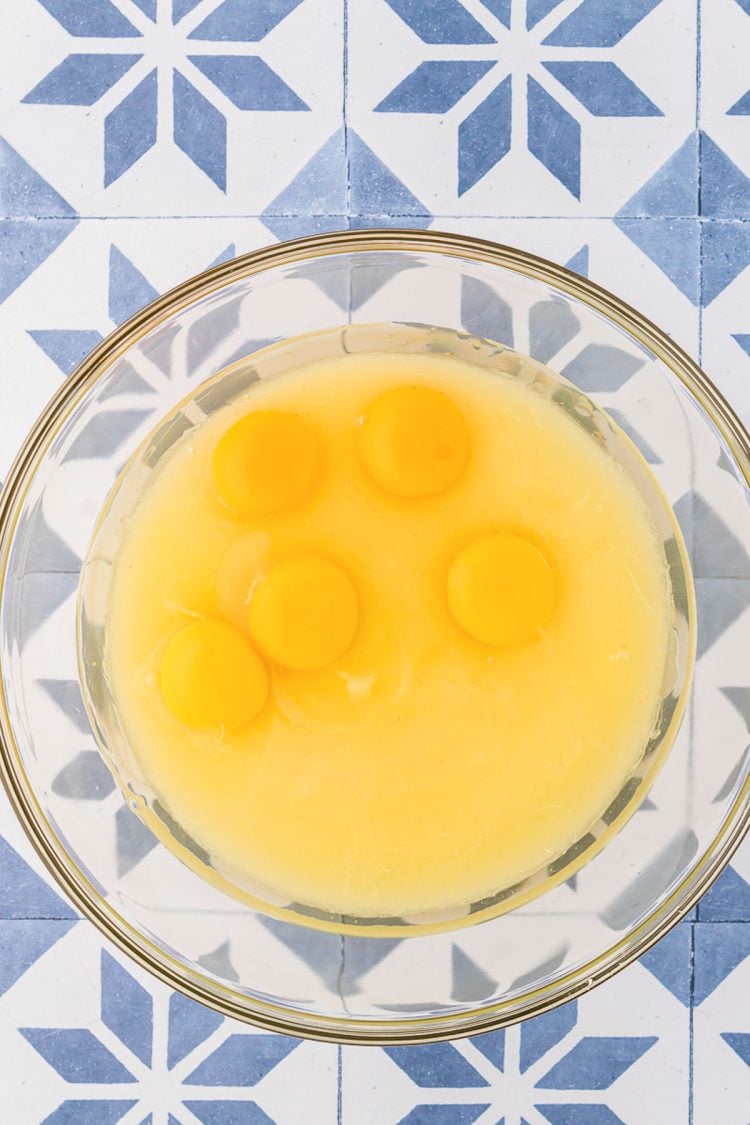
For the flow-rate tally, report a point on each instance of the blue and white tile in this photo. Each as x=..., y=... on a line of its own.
x=84, y=1028
x=587, y=1061
x=48, y=324
x=726, y=313
x=34, y=915
x=24, y=879
x=520, y=108
x=121, y=264
x=664, y=287
x=725, y=107
x=161, y=108
x=721, y=1036
x=728, y=900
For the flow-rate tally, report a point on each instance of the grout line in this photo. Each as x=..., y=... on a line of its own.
x=261, y=216
x=719, y=921
x=340, y=1093
x=44, y=918
x=691, y=1025
x=345, y=111
x=698, y=82
x=691, y=702
x=701, y=243
x=701, y=240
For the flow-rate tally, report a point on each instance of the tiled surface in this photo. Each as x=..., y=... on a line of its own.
x=589, y=1061
x=145, y=139
x=481, y=113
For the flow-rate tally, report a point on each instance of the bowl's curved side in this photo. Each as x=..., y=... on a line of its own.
x=91, y=899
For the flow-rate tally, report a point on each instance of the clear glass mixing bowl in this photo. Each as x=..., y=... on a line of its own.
x=574, y=925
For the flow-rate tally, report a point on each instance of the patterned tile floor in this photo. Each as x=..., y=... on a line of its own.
x=143, y=140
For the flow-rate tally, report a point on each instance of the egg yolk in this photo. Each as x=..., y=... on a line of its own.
x=210, y=675
x=304, y=613
x=502, y=589
x=267, y=462
x=414, y=441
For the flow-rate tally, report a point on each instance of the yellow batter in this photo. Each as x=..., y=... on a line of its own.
x=388, y=634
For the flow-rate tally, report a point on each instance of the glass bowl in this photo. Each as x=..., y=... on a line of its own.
x=279, y=964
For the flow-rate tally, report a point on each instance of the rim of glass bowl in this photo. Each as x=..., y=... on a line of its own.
x=49, y=847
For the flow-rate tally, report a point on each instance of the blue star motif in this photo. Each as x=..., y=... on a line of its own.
x=535, y=77
x=237, y=1062
x=212, y=57
x=741, y=107
x=590, y=1063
